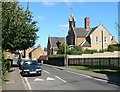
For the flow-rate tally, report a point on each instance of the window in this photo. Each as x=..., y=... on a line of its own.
x=96, y=39
x=8, y=56
x=105, y=39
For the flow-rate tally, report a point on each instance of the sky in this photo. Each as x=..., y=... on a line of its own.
x=53, y=17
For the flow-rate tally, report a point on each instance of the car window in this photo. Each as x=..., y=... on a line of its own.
x=34, y=63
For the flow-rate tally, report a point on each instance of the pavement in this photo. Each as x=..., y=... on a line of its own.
x=15, y=81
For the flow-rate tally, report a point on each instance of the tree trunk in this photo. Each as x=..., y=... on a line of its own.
x=24, y=53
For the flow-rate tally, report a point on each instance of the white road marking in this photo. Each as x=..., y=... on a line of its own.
x=38, y=79
x=56, y=69
x=100, y=79
x=23, y=81
x=87, y=76
x=80, y=74
x=46, y=71
x=61, y=79
x=48, y=78
x=26, y=80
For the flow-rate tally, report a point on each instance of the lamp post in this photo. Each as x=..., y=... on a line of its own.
x=65, y=62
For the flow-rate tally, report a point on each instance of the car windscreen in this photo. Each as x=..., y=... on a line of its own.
x=31, y=63
x=34, y=63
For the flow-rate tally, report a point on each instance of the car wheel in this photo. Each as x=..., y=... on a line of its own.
x=39, y=74
x=23, y=74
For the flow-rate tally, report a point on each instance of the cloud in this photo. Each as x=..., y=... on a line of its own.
x=68, y=2
x=63, y=26
x=49, y=3
x=41, y=17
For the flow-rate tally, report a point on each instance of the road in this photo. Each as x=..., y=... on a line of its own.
x=58, y=79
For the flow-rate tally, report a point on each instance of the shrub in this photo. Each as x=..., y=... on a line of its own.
x=102, y=51
x=57, y=56
x=87, y=51
x=76, y=51
x=7, y=65
x=110, y=48
x=115, y=47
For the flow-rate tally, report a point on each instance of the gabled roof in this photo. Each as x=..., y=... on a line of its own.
x=53, y=40
x=85, y=43
x=33, y=50
x=81, y=32
x=38, y=48
x=91, y=31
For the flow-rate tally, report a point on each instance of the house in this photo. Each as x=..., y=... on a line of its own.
x=53, y=45
x=97, y=38
x=26, y=53
x=8, y=55
x=37, y=52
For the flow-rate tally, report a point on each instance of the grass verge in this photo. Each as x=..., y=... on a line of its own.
x=111, y=72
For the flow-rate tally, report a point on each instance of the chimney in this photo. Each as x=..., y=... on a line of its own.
x=87, y=23
x=39, y=46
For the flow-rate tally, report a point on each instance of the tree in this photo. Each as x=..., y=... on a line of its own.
x=61, y=49
x=18, y=30
x=76, y=51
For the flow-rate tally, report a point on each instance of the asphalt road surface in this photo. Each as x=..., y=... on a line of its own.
x=57, y=79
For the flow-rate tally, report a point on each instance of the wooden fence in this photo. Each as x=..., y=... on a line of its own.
x=108, y=61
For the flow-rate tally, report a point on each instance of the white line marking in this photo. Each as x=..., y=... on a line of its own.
x=23, y=81
x=100, y=80
x=27, y=83
x=38, y=79
x=46, y=71
x=61, y=79
x=87, y=76
x=56, y=69
x=48, y=78
x=80, y=74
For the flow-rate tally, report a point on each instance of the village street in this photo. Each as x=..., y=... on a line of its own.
x=54, y=78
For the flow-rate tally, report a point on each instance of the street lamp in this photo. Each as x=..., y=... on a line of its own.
x=65, y=62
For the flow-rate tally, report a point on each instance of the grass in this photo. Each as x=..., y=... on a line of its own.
x=106, y=71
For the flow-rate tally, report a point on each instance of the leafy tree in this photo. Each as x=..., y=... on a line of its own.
x=62, y=48
x=76, y=51
x=19, y=30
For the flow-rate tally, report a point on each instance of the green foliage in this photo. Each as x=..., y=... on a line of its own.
x=102, y=51
x=18, y=28
x=115, y=47
x=62, y=48
x=76, y=51
x=7, y=65
x=57, y=56
x=110, y=48
x=87, y=51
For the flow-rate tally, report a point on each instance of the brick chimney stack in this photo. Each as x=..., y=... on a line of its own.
x=87, y=23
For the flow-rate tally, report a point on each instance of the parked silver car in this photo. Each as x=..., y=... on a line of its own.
x=22, y=61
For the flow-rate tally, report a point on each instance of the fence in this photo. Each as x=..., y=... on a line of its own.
x=111, y=62
x=55, y=61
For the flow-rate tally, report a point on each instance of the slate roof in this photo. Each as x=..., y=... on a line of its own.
x=85, y=43
x=92, y=30
x=53, y=40
x=81, y=32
